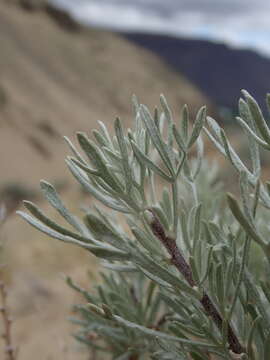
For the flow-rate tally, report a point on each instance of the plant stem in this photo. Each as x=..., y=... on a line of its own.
x=175, y=206
x=9, y=349
x=184, y=268
x=240, y=277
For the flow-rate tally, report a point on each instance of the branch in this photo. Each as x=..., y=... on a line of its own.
x=184, y=268
x=9, y=349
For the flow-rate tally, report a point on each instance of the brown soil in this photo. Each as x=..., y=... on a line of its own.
x=53, y=82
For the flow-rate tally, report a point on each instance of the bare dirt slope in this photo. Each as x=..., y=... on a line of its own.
x=56, y=78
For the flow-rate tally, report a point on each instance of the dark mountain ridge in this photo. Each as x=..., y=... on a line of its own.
x=217, y=69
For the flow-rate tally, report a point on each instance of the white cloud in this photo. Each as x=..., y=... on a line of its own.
x=241, y=23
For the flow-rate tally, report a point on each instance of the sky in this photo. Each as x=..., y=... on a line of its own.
x=239, y=23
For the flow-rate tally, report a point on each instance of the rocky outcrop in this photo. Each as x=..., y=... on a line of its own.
x=59, y=15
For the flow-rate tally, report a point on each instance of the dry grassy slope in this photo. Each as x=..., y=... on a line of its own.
x=54, y=82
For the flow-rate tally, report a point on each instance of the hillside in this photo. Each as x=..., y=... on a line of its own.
x=57, y=77
x=218, y=70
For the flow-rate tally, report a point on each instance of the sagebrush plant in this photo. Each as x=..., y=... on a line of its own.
x=179, y=284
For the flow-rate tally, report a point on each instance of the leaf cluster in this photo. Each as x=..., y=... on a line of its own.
x=185, y=257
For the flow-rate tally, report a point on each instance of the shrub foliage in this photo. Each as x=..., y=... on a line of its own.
x=179, y=282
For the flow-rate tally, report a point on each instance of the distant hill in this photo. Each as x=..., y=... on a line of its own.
x=218, y=70
x=57, y=77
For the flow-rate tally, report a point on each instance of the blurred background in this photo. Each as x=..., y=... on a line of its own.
x=64, y=65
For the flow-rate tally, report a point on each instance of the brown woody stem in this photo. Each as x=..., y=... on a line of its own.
x=9, y=349
x=184, y=268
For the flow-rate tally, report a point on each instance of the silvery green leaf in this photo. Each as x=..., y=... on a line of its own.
x=135, y=105
x=105, y=199
x=108, y=252
x=54, y=199
x=155, y=278
x=168, y=116
x=215, y=129
x=256, y=198
x=244, y=222
x=218, y=232
x=194, y=269
x=245, y=196
x=171, y=153
x=53, y=225
x=159, y=121
x=191, y=217
x=245, y=113
x=102, y=232
x=254, y=147
x=88, y=342
x=257, y=116
x=184, y=229
x=105, y=133
x=199, y=160
x=252, y=133
x=179, y=140
x=145, y=240
x=220, y=290
x=139, y=139
x=265, y=197
x=109, y=218
x=162, y=216
x=103, y=186
x=94, y=154
x=184, y=123
x=268, y=101
x=143, y=159
x=187, y=172
x=155, y=269
x=52, y=233
x=181, y=164
x=237, y=163
x=233, y=157
x=197, y=127
x=126, y=356
x=227, y=147
x=84, y=167
x=156, y=138
x=251, y=336
x=256, y=297
x=175, y=304
x=266, y=289
x=166, y=204
x=215, y=141
x=120, y=268
x=156, y=118
x=196, y=227
x=229, y=276
x=112, y=155
x=161, y=335
x=74, y=150
x=208, y=264
x=199, y=255
x=100, y=139
x=188, y=330
x=124, y=153
x=174, y=352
